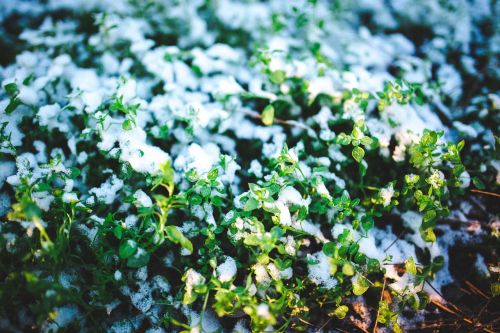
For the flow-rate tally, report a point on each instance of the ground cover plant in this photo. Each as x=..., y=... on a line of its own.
x=237, y=166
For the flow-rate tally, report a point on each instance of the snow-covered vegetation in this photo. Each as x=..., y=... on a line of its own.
x=219, y=166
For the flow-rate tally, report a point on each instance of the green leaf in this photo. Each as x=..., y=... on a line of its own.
x=340, y=312
x=251, y=204
x=268, y=115
x=348, y=269
x=140, y=258
x=358, y=153
x=362, y=170
x=74, y=172
x=357, y=133
x=127, y=249
x=429, y=138
x=410, y=266
x=205, y=191
x=217, y=201
x=173, y=233
x=282, y=264
x=277, y=232
x=366, y=141
x=13, y=104
x=213, y=174
x=118, y=231
x=429, y=215
x=195, y=200
x=176, y=236
x=360, y=285
x=373, y=265
x=186, y=244
x=127, y=125
x=478, y=183
x=40, y=187
x=495, y=289
x=329, y=249
x=277, y=76
x=251, y=240
x=437, y=264
x=343, y=139
x=11, y=89
x=28, y=79
x=428, y=234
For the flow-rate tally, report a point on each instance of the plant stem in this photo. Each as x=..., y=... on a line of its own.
x=378, y=310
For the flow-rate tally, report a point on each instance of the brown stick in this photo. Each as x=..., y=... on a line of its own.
x=476, y=289
x=467, y=320
x=493, y=194
x=478, y=317
x=322, y=326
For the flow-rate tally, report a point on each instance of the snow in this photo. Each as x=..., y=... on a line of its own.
x=7, y=169
x=285, y=217
x=48, y=116
x=85, y=79
x=464, y=179
x=319, y=273
x=263, y=311
x=277, y=274
x=192, y=113
x=289, y=245
x=240, y=327
x=323, y=191
x=481, y=267
x=436, y=179
x=65, y=316
x=127, y=90
x=207, y=324
x=28, y=95
x=202, y=159
x=412, y=220
x=42, y=199
x=321, y=85
x=274, y=272
x=107, y=192
x=451, y=81
x=193, y=278
x=224, y=52
x=141, y=273
x=224, y=85
x=4, y=204
x=309, y=228
x=227, y=270
x=82, y=157
x=468, y=130
x=386, y=194
x=142, y=199
x=134, y=148
x=288, y=196
x=123, y=326
x=261, y=275
x=142, y=299
x=70, y=197
x=161, y=283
